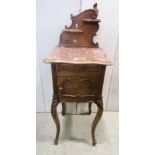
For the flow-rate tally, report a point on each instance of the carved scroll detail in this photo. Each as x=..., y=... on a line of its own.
x=82, y=30
x=75, y=86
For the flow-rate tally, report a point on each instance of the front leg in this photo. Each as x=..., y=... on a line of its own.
x=55, y=118
x=98, y=116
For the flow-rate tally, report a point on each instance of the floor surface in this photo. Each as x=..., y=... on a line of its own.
x=75, y=135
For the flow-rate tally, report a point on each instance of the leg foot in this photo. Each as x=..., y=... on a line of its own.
x=56, y=119
x=56, y=141
x=94, y=143
x=98, y=116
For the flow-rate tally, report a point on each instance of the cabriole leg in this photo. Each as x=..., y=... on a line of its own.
x=98, y=116
x=56, y=119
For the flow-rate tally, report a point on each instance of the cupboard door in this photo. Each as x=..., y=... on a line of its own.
x=77, y=87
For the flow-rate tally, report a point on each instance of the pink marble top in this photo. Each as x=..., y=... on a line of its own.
x=77, y=56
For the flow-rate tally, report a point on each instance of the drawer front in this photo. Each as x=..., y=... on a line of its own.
x=77, y=68
x=77, y=87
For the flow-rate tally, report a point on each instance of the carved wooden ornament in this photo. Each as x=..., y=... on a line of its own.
x=82, y=30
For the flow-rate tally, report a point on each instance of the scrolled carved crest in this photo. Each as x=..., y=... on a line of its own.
x=82, y=30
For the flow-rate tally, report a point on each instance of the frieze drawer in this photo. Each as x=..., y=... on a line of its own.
x=77, y=68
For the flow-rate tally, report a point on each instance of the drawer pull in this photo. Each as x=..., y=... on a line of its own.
x=77, y=68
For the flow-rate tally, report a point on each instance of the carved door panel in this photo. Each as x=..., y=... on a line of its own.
x=77, y=87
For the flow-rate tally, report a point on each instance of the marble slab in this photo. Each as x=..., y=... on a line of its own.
x=77, y=56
